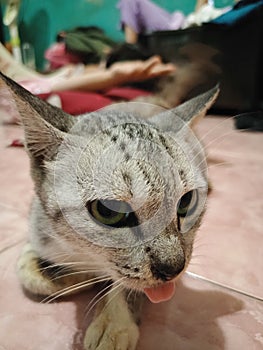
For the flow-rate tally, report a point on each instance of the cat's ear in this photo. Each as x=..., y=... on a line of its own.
x=45, y=125
x=188, y=113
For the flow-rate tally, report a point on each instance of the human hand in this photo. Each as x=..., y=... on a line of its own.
x=131, y=71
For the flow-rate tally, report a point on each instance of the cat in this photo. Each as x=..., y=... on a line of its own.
x=119, y=195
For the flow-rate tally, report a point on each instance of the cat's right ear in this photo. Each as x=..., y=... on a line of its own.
x=45, y=125
x=188, y=113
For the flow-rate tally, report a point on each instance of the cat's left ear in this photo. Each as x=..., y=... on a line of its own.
x=188, y=113
x=45, y=126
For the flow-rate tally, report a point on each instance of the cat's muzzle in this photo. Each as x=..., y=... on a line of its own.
x=166, y=272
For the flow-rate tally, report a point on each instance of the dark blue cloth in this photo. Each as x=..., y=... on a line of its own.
x=240, y=11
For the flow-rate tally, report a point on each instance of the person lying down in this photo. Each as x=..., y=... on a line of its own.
x=89, y=78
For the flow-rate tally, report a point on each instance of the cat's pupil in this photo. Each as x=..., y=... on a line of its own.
x=105, y=211
x=186, y=200
x=188, y=203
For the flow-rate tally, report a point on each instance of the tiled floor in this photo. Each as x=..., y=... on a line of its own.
x=202, y=315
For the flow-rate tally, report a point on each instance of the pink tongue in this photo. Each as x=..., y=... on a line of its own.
x=161, y=293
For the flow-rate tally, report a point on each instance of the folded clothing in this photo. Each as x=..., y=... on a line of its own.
x=251, y=121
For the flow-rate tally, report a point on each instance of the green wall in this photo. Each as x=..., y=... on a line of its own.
x=41, y=20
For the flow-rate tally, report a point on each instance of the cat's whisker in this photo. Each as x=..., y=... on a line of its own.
x=202, y=260
x=102, y=292
x=234, y=155
x=207, y=154
x=219, y=165
x=45, y=269
x=200, y=244
x=68, y=268
x=75, y=287
x=67, y=265
x=74, y=273
x=117, y=289
x=176, y=281
x=65, y=259
x=96, y=279
x=109, y=288
x=68, y=257
x=130, y=293
x=54, y=237
x=197, y=261
x=198, y=247
x=222, y=163
x=197, y=256
x=219, y=139
x=219, y=124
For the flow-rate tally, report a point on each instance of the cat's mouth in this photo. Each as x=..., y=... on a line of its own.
x=160, y=293
x=157, y=293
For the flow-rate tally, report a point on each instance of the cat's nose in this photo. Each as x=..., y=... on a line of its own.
x=166, y=272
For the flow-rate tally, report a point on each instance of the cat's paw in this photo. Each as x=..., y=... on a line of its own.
x=38, y=280
x=113, y=329
x=105, y=335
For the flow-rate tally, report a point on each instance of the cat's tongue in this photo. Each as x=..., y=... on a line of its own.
x=160, y=293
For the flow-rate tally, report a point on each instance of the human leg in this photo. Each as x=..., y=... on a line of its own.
x=19, y=72
x=131, y=37
x=140, y=16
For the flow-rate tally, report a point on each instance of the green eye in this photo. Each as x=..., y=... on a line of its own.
x=187, y=204
x=112, y=213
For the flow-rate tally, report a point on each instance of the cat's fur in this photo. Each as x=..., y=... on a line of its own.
x=113, y=154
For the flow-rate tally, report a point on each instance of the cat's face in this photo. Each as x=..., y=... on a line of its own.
x=129, y=191
x=119, y=192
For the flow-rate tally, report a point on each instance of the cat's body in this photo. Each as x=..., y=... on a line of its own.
x=118, y=199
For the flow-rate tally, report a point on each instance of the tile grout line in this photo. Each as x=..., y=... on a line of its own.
x=238, y=291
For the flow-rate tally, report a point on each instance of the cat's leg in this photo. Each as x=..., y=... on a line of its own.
x=42, y=278
x=115, y=324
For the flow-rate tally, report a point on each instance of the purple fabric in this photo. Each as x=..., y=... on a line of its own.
x=143, y=16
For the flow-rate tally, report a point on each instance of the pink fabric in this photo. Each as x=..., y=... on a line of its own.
x=77, y=102
x=36, y=86
x=58, y=57
x=126, y=93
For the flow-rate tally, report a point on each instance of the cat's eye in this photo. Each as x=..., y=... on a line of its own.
x=112, y=213
x=187, y=204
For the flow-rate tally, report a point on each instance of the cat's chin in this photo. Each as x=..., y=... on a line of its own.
x=160, y=293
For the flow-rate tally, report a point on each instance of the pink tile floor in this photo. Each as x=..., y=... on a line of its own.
x=202, y=315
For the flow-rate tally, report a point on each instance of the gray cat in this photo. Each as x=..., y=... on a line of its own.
x=119, y=195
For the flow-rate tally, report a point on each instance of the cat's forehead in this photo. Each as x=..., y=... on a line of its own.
x=123, y=157
x=97, y=122
x=135, y=162
x=120, y=127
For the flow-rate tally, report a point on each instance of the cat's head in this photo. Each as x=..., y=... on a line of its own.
x=124, y=191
